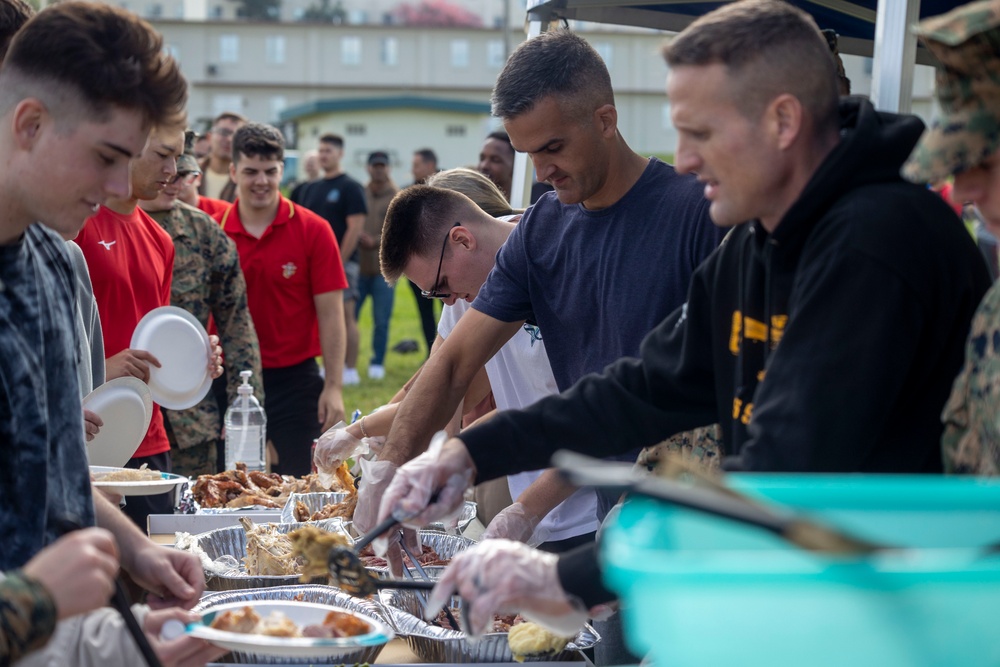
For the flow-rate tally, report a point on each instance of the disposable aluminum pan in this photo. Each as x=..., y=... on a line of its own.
x=232, y=542
x=314, y=502
x=432, y=643
x=304, y=593
x=464, y=519
x=446, y=546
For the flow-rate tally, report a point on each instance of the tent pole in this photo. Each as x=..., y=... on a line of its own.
x=895, y=53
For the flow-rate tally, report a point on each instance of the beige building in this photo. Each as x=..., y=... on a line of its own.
x=399, y=88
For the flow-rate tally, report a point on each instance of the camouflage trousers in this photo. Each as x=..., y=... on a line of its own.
x=702, y=446
x=202, y=459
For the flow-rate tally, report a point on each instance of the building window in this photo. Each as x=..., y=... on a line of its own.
x=350, y=51
x=390, y=51
x=217, y=12
x=455, y=131
x=459, y=53
x=278, y=104
x=224, y=103
x=495, y=56
x=179, y=11
x=356, y=129
x=155, y=11
x=275, y=49
x=229, y=48
x=607, y=53
x=357, y=16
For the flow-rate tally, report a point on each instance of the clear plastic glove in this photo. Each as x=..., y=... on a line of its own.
x=442, y=473
x=333, y=448
x=375, y=478
x=505, y=577
x=514, y=522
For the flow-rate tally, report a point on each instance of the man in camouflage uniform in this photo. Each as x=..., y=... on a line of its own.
x=965, y=143
x=207, y=281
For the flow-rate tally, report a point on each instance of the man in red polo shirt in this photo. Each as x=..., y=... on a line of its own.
x=131, y=261
x=295, y=279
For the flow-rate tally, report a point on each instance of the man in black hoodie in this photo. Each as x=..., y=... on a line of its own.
x=823, y=335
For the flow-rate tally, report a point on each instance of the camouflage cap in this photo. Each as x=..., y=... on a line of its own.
x=967, y=42
x=187, y=161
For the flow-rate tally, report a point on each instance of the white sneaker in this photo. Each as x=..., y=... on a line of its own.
x=376, y=372
x=351, y=377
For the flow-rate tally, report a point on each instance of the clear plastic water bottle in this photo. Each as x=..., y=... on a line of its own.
x=246, y=429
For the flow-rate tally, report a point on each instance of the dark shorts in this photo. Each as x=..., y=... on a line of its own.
x=292, y=396
x=353, y=272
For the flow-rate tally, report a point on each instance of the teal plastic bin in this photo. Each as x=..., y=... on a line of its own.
x=698, y=590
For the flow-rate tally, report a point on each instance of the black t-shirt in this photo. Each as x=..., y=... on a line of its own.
x=334, y=199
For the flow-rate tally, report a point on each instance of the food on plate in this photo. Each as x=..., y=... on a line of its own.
x=243, y=488
x=243, y=620
x=142, y=474
x=530, y=639
x=328, y=511
x=312, y=546
x=427, y=557
x=246, y=621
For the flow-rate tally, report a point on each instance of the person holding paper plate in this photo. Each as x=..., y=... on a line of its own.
x=131, y=262
x=62, y=126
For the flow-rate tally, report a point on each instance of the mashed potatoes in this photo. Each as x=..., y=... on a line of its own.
x=528, y=639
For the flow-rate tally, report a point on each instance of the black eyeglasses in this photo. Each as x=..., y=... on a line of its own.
x=187, y=177
x=433, y=292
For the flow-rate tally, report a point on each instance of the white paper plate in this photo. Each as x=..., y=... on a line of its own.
x=166, y=483
x=302, y=613
x=125, y=406
x=180, y=343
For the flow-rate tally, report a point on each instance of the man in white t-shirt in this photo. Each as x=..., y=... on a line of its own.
x=449, y=258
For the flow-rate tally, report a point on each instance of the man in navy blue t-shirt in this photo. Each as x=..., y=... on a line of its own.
x=596, y=264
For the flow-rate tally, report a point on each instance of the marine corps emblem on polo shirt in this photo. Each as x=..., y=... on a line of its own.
x=288, y=270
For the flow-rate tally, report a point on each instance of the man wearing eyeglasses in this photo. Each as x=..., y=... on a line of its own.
x=207, y=282
x=215, y=182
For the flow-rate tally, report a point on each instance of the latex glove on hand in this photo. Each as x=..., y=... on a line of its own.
x=333, y=448
x=514, y=522
x=429, y=488
x=505, y=577
x=375, y=478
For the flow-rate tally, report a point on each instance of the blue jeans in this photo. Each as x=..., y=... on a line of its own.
x=382, y=298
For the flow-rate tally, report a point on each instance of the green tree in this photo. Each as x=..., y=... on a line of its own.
x=326, y=12
x=259, y=10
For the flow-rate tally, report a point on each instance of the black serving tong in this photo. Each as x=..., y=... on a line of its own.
x=119, y=601
x=714, y=499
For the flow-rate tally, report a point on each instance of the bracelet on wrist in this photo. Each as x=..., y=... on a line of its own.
x=361, y=424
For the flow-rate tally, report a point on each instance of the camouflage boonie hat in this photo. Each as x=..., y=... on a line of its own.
x=967, y=42
x=187, y=161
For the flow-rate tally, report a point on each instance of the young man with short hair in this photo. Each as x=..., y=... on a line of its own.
x=215, y=180
x=378, y=193
x=340, y=200
x=61, y=126
x=425, y=163
x=295, y=282
x=496, y=160
x=208, y=283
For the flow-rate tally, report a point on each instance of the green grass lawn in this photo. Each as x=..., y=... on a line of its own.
x=405, y=323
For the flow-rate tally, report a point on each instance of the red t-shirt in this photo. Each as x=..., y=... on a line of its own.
x=214, y=207
x=131, y=261
x=295, y=259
